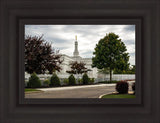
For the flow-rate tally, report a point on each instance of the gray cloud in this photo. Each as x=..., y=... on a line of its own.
x=129, y=42
x=132, y=54
x=130, y=28
x=87, y=54
x=57, y=40
x=62, y=37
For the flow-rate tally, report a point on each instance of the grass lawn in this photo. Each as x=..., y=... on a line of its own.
x=29, y=90
x=119, y=96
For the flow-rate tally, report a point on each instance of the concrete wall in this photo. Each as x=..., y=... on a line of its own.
x=117, y=77
x=103, y=78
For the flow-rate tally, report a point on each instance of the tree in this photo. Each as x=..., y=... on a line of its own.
x=85, y=79
x=130, y=70
x=133, y=69
x=104, y=71
x=54, y=62
x=110, y=53
x=72, y=80
x=34, y=81
x=39, y=56
x=55, y=81
x=77, y=68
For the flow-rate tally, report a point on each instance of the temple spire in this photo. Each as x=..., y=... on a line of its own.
x=76, y=53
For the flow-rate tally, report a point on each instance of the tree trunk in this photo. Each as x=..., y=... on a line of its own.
x=110, y=72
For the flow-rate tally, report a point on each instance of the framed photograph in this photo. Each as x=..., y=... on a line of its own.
x=72, y=61
x=98, y=63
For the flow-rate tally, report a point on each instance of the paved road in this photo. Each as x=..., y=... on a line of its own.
x=86, y=92
x=93, y=91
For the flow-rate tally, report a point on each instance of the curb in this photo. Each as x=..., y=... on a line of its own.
x=104, y=94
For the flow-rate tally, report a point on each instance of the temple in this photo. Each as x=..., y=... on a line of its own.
x=76, y=57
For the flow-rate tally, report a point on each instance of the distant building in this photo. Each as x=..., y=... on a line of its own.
x=68, y=59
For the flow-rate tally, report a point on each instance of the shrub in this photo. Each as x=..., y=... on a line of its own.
x=133, y=87
x=113, y=81
x=55, y=80
x=122, y=87
x=34, y=81
x=46, y=83
x=91, y=80
x=108, y=82
x=65, y=81
x=72, y=80
x=80, y=81
x=85, y=79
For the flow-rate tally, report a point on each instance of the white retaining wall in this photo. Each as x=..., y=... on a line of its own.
x=117, y=77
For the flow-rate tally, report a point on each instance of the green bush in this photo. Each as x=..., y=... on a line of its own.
x=85, y=79
x=54, y=81
x=91, y=80
x=34, y=81
x=108, y=82
x=79, y=81
x=66, y=81
x=72, y=80
x=46, y=83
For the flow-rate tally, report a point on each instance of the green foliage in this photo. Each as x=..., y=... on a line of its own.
x=122, y=87
x=46, y=83
x=66, y=81
x=54, y=81
x=72, y=80
x=110, y=53
x=34, y=81
x=104, y=70
x=108, y=82
x=85, y=79
x=30, y=90
x=119, y=96
x=131, y=70
x=91, y=80
x=79, y=81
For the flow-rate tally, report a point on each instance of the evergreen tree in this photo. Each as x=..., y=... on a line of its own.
x=85, y=79
x=72, y=80
x=34, y=81
x=55, y=80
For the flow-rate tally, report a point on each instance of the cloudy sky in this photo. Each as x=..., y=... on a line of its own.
x=62, y=37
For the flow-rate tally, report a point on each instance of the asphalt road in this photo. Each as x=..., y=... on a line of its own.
x=86, y=92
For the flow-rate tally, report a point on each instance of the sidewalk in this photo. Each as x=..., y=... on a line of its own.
x=74, y=87
x=78, y=87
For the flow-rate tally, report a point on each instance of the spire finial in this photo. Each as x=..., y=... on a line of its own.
x=76, y=53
